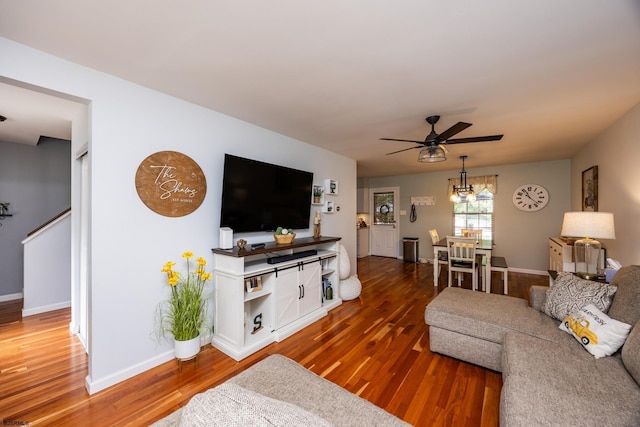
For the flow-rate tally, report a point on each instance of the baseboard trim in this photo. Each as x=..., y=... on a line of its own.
x=527, y=271
x=131, y=371
x=10, y=297
x=43, y=309
x=113, y=379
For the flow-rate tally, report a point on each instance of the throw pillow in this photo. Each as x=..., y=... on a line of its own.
x=570, y=293
x=599, y=334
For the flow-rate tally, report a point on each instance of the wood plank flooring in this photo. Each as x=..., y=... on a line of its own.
x=376, y=346
x=11, y=311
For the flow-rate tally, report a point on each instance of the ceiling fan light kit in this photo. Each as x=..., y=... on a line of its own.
x=432, y=154
x=463, y=191
x=433, y=147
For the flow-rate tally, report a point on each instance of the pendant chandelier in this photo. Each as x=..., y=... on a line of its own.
x=463, y=191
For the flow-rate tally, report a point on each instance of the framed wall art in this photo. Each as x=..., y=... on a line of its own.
x=253, y=284
x=170, y=183
x=590, y=189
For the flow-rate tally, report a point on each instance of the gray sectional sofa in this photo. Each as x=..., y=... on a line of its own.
x=549, y=379
x=279, y=391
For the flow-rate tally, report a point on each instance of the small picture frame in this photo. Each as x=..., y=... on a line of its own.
x=590, y=189
x=253, y=284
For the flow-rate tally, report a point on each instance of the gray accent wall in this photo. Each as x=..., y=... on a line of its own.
x=36, y=180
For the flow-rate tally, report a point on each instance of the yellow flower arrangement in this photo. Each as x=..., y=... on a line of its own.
x=185, y=313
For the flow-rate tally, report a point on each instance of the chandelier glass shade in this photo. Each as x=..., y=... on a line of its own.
x=432, y=154
x=464, y=191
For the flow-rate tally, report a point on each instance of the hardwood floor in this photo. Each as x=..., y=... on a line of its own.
x=376, y=346
x=11, y=311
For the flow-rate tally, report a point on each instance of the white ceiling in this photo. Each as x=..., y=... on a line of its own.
x=550, y=75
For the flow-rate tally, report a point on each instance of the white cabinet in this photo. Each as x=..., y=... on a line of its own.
x=561, y=256
x=363, y=242
x=362, y=200
x=299, y=292
x=290, y=297
x=311, y=287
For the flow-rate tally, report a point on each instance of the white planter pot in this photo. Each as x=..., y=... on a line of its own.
x=186, y=350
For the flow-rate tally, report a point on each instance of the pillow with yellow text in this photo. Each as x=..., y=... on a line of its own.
x=599, y=334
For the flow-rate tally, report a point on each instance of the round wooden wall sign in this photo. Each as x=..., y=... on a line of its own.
x=170, y=183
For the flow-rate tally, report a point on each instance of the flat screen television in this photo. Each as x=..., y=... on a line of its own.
x=259, y=196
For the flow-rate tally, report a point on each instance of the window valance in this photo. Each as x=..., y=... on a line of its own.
x=480, y=183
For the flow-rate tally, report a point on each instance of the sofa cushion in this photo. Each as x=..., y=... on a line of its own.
x=570, y=293
x=631, y=353
x=281, y=378
x=231, y=405
x=599, y=334
x=489, y=316
x=544, y=385
x=626, y=303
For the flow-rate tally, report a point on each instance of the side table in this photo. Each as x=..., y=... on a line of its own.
x=553, y=274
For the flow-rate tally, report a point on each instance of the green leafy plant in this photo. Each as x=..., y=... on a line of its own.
x=184, y=315
x=283, y=231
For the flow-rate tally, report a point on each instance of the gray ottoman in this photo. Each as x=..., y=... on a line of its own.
x=471, y=326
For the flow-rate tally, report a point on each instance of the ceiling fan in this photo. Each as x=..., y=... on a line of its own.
x=433, y=147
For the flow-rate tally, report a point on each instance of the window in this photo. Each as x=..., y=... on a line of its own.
x=383, y=208
x=478, y=214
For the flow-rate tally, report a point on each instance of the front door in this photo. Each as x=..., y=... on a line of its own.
x=384, y=230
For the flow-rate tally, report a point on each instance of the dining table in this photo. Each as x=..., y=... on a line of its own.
x=483, y=247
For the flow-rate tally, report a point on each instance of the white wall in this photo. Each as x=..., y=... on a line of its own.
x=616, y=152
x=129, y=242
x=522, y=237
x=47, y=268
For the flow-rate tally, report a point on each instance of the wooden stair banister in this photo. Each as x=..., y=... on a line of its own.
x=48, y=222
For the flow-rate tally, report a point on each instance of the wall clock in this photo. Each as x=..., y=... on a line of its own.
x=530, y=197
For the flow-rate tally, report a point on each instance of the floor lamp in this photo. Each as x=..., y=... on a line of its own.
x=593, y=225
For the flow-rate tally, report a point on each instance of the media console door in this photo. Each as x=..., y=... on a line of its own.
x=299, y=292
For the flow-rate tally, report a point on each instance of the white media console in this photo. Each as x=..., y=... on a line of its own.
x=268, y=293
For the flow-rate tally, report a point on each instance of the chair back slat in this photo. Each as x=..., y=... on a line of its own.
x=472, y=233
x=434, y=236
x=461, y=249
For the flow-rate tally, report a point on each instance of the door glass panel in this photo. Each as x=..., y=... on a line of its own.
x=383, y=205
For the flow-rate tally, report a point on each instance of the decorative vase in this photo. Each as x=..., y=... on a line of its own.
x=186, y=350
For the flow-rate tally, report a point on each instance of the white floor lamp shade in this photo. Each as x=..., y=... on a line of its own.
x=589, y=226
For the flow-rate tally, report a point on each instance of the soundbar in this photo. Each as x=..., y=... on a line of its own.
x=285, y=258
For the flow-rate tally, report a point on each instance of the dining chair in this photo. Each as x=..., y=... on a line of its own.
x=463, y=259
x=475, y=233
x=443, y=259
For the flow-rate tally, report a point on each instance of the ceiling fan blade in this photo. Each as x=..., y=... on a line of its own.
x=401, y=140
x=475, y=139
x=406, y=149
x=458, y=127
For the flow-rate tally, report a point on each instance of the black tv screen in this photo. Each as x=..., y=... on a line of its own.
x=258, y=196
